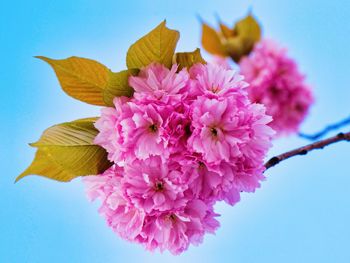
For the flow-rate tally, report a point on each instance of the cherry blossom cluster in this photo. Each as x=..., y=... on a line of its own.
x=185, y=140
x=276, y=82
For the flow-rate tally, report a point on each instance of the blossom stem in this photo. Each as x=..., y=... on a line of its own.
x=307, y=148
x=327, y=129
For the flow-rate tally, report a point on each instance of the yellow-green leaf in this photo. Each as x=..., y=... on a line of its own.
x=157, y=46
x=235, y=47
x=248, y=27
x=83, y=79
x=247, y=32
x=188, y=59
x=66, y=151
x=226, y=31
x=211, y=41
x=118, y=85
x=45, y=166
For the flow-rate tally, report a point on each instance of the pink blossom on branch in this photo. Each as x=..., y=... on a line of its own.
x=276, y=82
x=159, y=82
x=121, y=215
x=184, y=141
x=216, y=80
x=152, y=185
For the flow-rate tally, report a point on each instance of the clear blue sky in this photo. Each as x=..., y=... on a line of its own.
x=302, y=211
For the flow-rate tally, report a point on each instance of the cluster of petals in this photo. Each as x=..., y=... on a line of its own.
x=276, y=82
x=186, y=139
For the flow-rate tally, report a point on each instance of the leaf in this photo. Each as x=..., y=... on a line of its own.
x=45, y=166
x=118, y=85
x=248, y=27
x=211, y=41
x=226, y=31
x=66, y=151
x=157, y=46
x=83, y=79
x=247, y=32
x=188, y=59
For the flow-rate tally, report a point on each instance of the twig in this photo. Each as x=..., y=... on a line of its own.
x=326, y=130
x=307, y=148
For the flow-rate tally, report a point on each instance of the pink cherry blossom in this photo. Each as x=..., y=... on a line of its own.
x=153, y=185
x=120, y=215
x=175, y=230
x=276, y=82
x=183, y=142
x=209, y=181
x=223, y=126
x=158, y=82
x=215, y=80
x=138, y=130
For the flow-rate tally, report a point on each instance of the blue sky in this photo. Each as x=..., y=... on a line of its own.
x=300, y=214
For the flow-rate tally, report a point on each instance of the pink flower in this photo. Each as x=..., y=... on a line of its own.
x=152, y=185
x=178, y=129
x=209, y=181
x=109, y=136
x=144, y=131
x=223, y=126
x=175, y=230
x=133, y=130
x=232, y=158
x=276, y=82
x=157, y=82
x=181, y=144
x=215, y=80
x=120, y=215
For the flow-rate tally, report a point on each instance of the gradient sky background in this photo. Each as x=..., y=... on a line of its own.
x=302, y=211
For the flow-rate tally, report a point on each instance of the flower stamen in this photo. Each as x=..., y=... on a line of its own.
x=201, y=165
x=153, y=128
x=215, y=89
x=172, y=217
x=214, y=132
x=159, y=186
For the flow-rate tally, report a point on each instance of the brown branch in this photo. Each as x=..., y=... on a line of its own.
x=326, y=130
x=307, y=148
